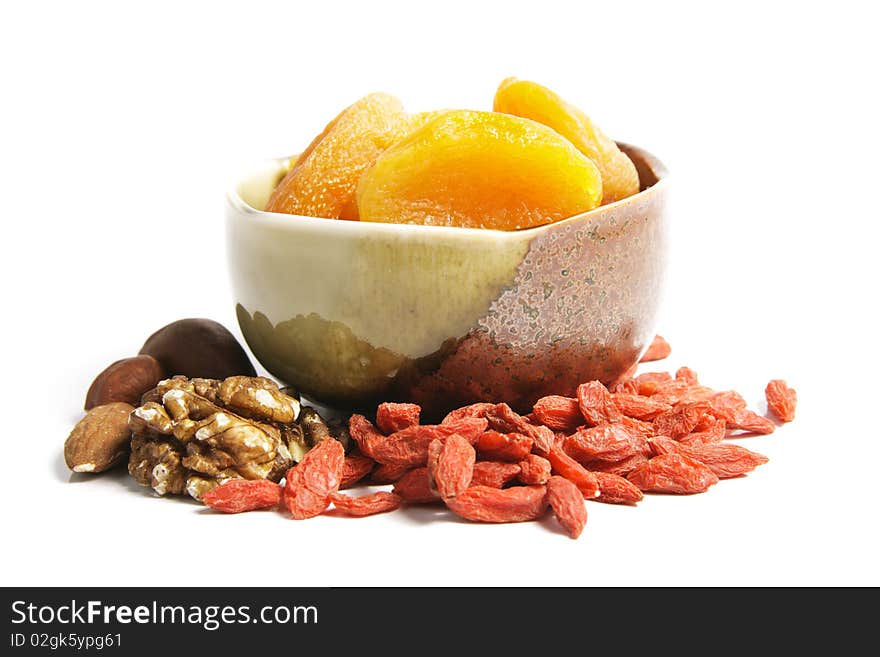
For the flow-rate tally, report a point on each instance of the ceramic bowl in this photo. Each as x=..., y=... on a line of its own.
x=355, y=313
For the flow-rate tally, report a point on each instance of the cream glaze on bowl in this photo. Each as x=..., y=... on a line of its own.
x=356, y=313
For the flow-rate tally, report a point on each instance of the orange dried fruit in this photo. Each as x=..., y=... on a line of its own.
x=323, y=180
x=534, y=101
x=479, y=170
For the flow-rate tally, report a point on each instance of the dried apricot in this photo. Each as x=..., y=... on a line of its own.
x=323, y=181
x=534, y=101
x=479, y=170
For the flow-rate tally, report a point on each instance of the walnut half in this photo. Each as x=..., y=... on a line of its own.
x=191, y=435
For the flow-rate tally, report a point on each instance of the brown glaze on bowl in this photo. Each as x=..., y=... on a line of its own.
x=354, y=313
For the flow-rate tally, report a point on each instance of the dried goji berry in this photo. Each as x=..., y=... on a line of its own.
x=504, y=419
x=391, y=417
x=414, y=487
x=648, y=382
x=310, y=483
x=388, y=474
x=725, y=405
x=434, y=448
x=714, y=434
x=781, y=400
x=568, y=505
x=687, y=375
x=364, y=434
x=680, y=421
x=609, y=442
x=452, y=469
x=366, y=505
x=673, y=473
x=671, y=392
x=495, y=446
x=473, y=410
x=543, y=438
x=614, y=489
x=620, y=468
x=638, y=406
x=559, y=413
x=485, y=504
x=355, y=468
x=494, y=474
x=752, y=422
x=693, y=394
x=657, y=350
x=534, y=469
x=727, y=460
x=663, y=445
x=410, y=446
x=637, y=428
x=237, y=495
x=567, y=467
x=706, y=422
x=596, y=404
x=626, y=387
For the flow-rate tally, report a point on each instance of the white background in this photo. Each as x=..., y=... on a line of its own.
x=122, y=127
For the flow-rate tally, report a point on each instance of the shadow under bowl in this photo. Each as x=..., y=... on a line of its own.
x=354, y=313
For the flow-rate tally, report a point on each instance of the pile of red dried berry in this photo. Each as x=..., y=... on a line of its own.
x=655, y=432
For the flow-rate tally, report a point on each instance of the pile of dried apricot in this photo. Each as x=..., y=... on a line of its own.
x=651, y=433
x=534, y=160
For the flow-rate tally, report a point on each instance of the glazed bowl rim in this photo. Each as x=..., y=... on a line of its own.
x=282, y=220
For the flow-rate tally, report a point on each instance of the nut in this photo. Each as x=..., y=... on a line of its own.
x=198, y=348
x=100, y=440
x=315, y=429
x=190, y=435
x=124, y=381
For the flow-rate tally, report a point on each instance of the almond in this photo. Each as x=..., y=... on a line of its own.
x=100, y=440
